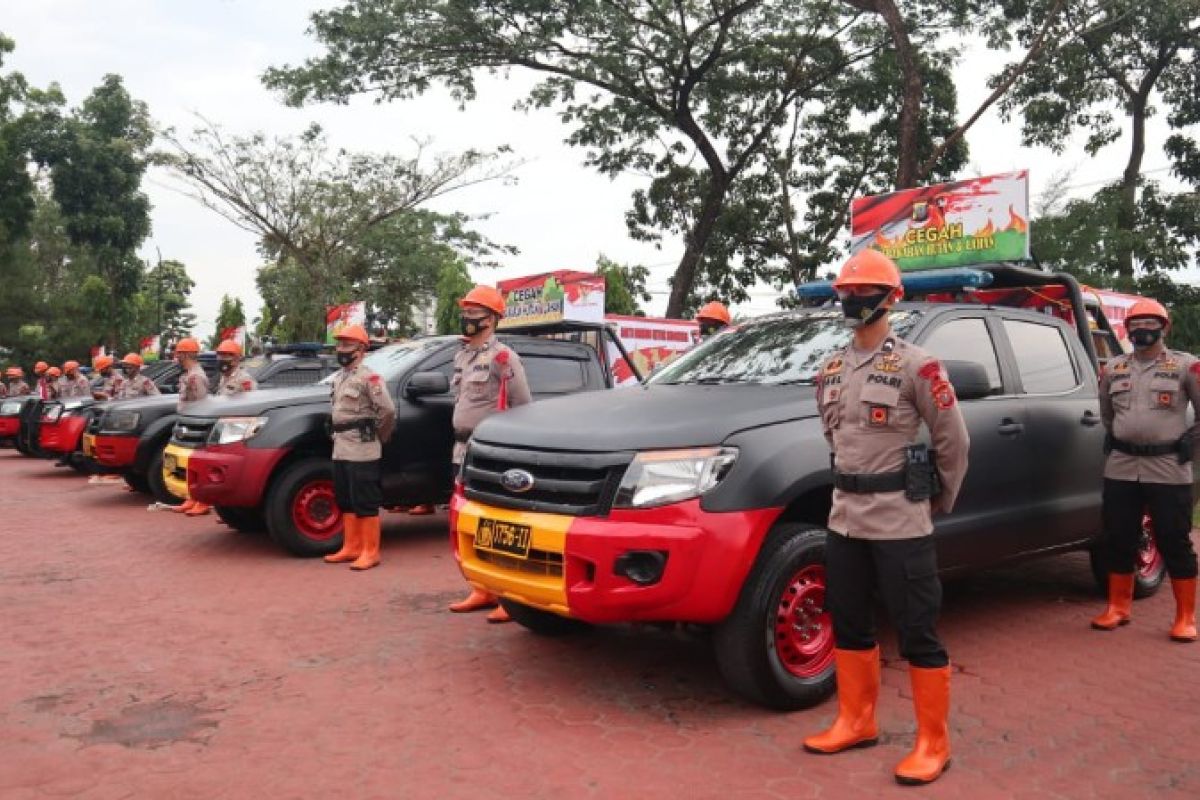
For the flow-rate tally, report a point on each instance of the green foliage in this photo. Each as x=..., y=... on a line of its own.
x=624, y=287
x=230, y=314
x=452, y=284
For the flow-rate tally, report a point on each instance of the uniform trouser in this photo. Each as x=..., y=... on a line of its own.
x=1170, y=507
x=904, y=572
x=357, y=487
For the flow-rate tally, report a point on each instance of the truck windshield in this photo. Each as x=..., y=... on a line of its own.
x=781, y=350
x=394, y=360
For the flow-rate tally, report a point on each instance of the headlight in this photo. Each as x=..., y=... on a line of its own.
x=10, y=409
x=669, y=476
x=121, y=421
x=53, y=413
x=236, y=429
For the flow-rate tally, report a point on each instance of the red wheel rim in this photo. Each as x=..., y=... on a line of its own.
x=1149, y=559
x=315, y=512
x=803, y=627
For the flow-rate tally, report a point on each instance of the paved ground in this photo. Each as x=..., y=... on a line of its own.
x=142, y=655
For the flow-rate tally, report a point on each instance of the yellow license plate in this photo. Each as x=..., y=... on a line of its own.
x=89, y=444
x=169, y=463
x=503, y=537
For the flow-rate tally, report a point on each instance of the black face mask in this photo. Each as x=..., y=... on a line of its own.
x=709, y=328
x=1145, y=337
x=129, y=371
x=861, y=310
x=472, y=326
x=346, y=359
x=226, y=367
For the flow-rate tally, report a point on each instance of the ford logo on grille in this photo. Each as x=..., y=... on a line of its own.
x=517, y=480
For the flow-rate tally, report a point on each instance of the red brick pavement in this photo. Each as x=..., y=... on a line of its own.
x=144, y=655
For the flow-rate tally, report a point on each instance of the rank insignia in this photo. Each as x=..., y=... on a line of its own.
x=1169, y=364
x=833, y=366
x=1121, y=366
x=878, y=416
x=888, y=363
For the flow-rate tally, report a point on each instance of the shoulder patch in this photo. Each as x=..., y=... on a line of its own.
x=374, y=378
x=247, y=385
x=1195, y=368
x=931, y=371
x=501, y=356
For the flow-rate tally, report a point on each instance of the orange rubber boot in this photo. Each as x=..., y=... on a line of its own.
x=368, y=529
x=476, y=600
x=930, y=756
x=498, y=615
x=857, y=692
x=351, y=541
x=1184, y=629
x=1120, y=603
x=185, y=506
x=198, y=509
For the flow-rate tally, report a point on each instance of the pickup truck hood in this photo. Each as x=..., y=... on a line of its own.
x=651, y=417
x=258, y=402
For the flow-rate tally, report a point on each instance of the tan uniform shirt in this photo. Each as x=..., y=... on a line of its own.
x=359, y=393
x=18, y=388
x=102, y=386
x=72, y=387
x=193, y=386
x=236, y=382
x=872, y=405
x=126, y=388
x=3, y=390
x=1145, y=402
x=476, y=387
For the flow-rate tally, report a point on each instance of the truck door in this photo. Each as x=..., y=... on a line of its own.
x=416, y=460
x=1059, y=389
x=988, y=519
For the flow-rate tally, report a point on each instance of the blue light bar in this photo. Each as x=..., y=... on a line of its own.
x=920, y=282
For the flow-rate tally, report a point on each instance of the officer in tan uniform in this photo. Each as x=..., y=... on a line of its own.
x=713, y=318
x=1143, y=403
x=16, y=382
x=488, y=377
x=364, y=416
x=193, y=386
x=131, y=382
x=234, y=379
x=102, y=384
x=873, y=397
x=72, y=384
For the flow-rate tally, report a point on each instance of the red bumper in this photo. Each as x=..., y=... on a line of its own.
x=63, y=436
x=115, y=451
x=231, y=474
x=9, y=427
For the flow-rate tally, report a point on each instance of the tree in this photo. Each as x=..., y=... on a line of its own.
x=645, y=88
x=452, y=285
x=230, y=314
x=1120, y=58
x=16, y=185
x=164, y=302
x=624, y=287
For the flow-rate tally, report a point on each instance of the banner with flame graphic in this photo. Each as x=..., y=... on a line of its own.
x=948, y=224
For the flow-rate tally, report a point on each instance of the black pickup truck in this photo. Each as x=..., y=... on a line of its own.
x=263, y=459
x=702, y=496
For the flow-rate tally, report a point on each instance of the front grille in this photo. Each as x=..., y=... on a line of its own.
x=564, y=482
x=192, y=432
x=540, y=562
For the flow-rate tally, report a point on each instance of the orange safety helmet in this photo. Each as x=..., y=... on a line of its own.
x=188, y=346
x=714, y=311
x=54, y=372
x=132, y=358
x=70, y=365
x=486, y=297
x=353, y=333
x=868, y=267
x=15, y=372
x=1146, y=307
x=40, y=367
x=102, y=362
x=229, y=347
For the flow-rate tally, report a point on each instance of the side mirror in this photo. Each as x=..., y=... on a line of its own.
x=424, y=384
x=969, y=379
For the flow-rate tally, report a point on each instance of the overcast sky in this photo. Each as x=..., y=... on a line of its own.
x=187, y=57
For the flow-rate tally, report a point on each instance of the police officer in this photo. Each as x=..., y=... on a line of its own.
x=488, y=377
x=193, y=386
x=234, y=379
x=102, y=384
x=1143, y=403
x=50, y=386
x=131, y=382
x=713, y=317
x=16, y=382
x=873, y=397
x=364, y=416
x=43, y=383
x=72, y=384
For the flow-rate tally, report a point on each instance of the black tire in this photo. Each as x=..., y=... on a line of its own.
x=287, y=495
x=245, y=520
x=745, y=641
x=78, y=462
x=1148, y=577
x=543, y=623
x=154, y=479
x=136, y=482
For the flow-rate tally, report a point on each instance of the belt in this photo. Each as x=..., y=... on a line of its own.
x=868, y=484
x=462, y=437
x=352, y=425
x=1129, y=448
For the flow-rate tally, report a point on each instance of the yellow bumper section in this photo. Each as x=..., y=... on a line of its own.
x=175, y=461
x=535, y=579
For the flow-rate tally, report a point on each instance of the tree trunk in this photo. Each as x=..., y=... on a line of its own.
x=697, y=239
x=1127, y=210
x=913, y=94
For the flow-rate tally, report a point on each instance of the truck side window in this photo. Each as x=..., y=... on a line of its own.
x=1043, y=360
x=554, y=375
x=966, y=340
